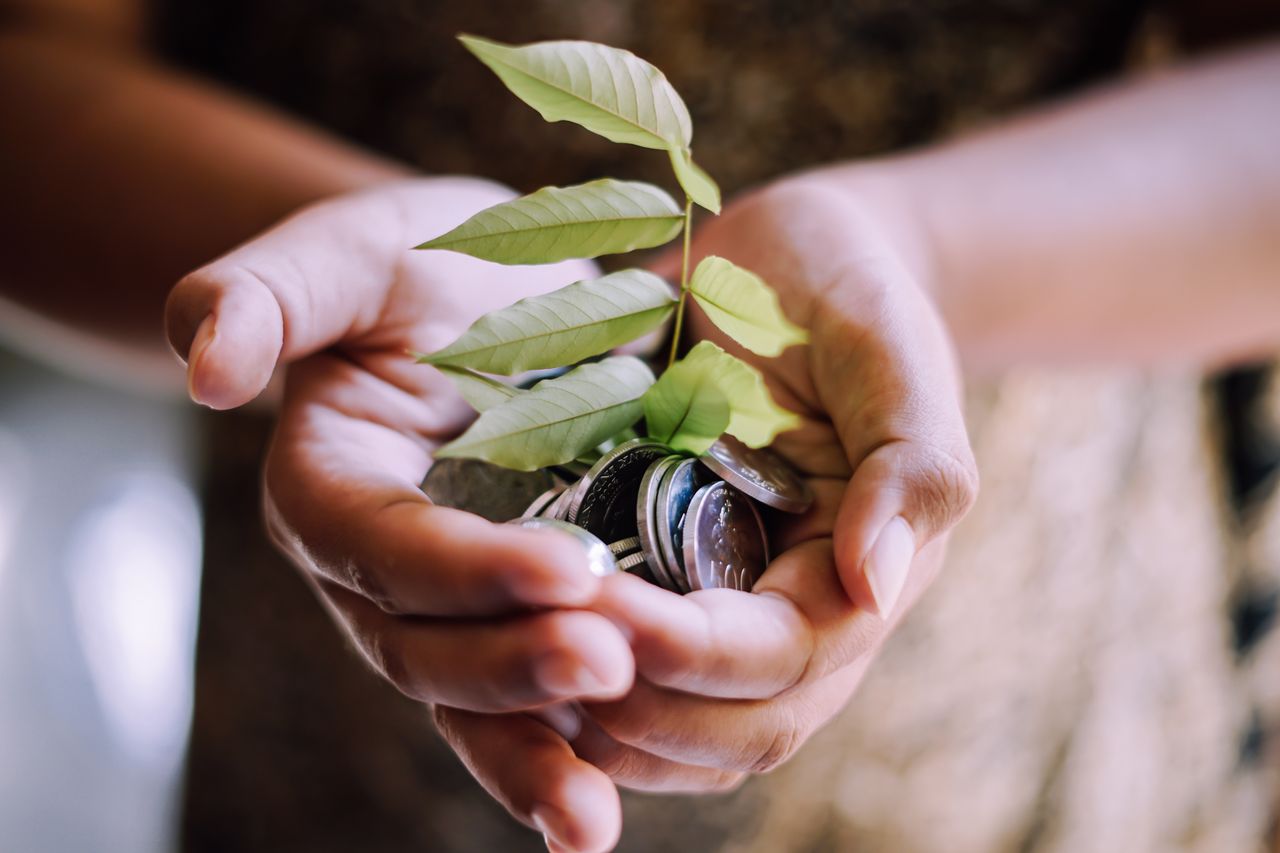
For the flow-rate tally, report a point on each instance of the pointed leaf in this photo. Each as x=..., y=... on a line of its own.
x=558, y=419
x=608, y=91
x=697, y=183
x=562, y=327
x=744, y=307
x=754, y=418
x=480, y=391
x=686, y=408
x=557, y=223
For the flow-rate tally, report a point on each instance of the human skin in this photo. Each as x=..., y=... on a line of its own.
x=1058, y=238
x=1139, y=225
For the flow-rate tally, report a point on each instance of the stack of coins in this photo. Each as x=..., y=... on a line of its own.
x=682, y=523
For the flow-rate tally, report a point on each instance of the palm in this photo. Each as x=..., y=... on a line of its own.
x=873, y=338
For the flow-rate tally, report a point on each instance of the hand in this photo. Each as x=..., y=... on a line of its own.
x=439, y=601
x=729, y=683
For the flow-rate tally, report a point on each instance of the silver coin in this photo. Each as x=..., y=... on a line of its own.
x=760, y=473
x=725, y=545
x=650, y=516
x=559, y=508
x=632, y=561
x=488, y=490
x=599, y=558
x=675, y=492
x=622, y=547
x=542, y=501
x=604, y=501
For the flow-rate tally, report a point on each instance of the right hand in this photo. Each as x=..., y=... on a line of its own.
x=450, y=608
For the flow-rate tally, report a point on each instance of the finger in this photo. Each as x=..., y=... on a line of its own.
x=296, y=289
x=490, y=666
x=902, y=428
x=534, y=774
x=747, y=736
x=320, y=276
x=714, y=642
x=798, y=626
x=638, y=770
x=342, y=500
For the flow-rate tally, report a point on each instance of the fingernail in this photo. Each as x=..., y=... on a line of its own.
x=553, y=826
x=563, y=718
x=563, y=675
x=888, y=563
x=204, y=337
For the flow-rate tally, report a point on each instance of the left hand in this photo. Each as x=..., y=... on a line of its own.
x=728, y=683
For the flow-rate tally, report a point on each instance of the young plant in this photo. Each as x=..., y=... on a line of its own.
x=698, y=398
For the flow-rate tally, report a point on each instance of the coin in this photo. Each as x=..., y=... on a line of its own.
x=725, y=546
x=488, y=490
x=677, y=488
x=625, y=547
x=604, y=500
x=760, y=473
x=649, y=516
x=599, y=558
x=559, y=508
x=542, y=501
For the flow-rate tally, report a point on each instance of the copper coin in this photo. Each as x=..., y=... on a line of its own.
x=604, y=501
x=650, y=516
x=488, y=490
x=725, y=545
x=599, y=558
x=760, y=473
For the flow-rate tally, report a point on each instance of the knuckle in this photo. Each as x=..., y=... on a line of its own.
x=777, y=746
x=728, y=782
x=616, y=762
x=622, y=722
x=387, y=657
x=441, y=717
x=947, y=485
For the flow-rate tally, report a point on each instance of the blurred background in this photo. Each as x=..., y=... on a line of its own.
x=100, y=540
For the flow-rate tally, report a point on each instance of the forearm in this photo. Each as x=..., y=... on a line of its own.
x=118, y=176
x=1137, y=224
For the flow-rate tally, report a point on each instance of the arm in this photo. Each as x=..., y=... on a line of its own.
x=1141, y=223
x=119, y=175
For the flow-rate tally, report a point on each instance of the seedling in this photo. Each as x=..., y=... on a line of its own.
x=698, y=398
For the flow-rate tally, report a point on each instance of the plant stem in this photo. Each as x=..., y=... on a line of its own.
x=684, y=284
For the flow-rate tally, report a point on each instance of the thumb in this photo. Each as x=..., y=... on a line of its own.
x=904, y=494
x=296, y=289
x=886, y=370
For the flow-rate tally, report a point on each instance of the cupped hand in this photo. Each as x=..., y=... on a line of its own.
x=730, y=683
x=448, y=607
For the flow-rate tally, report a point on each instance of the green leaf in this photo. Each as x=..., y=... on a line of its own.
x=744, y=307
x=608, y=91
x=697, y=183
x=754, y=418
x=557, y=223
x=558, y=419
x=562, y=327
x=480, y=391
x=685, y=408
